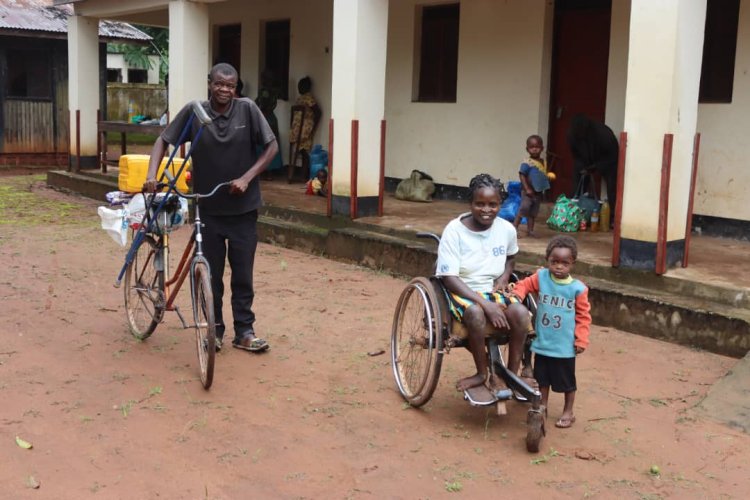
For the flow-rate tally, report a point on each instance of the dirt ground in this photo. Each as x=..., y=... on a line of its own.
x=315, y=417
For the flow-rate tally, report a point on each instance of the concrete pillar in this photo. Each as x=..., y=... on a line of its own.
x=664, y=66
x=360, y=29
x=189, y=61
x=83, y=88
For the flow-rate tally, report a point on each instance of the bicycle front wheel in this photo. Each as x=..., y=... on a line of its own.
x=205, y=325
x=144, y=290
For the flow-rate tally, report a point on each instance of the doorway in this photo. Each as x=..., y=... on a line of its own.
x=229, y=45
x=579, y=76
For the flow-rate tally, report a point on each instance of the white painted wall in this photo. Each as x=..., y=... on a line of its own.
x=117, y=61
x=310, y=51
x=617, y=72
x=723, y=170
x=501, y=96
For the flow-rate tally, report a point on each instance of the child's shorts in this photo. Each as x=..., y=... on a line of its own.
x=530, y=205
x=459, y=304
x=558, y=373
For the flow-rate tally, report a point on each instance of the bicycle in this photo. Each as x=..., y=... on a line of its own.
x=150, y=290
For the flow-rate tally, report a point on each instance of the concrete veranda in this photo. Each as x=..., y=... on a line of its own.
x=719, y=261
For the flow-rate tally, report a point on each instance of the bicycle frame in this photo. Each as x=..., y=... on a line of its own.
x=172, y=185
x=174, y=283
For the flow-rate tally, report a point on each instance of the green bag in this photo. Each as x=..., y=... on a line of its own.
x=566, y=215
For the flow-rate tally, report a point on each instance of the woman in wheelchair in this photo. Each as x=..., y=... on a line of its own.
x=475, y=262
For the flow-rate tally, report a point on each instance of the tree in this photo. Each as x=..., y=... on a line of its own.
x=136, y=55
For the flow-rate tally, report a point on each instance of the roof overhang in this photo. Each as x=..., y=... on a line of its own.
x=42, y=18
x=115, y=9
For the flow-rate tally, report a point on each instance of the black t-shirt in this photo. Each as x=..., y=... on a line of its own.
x=226, y=149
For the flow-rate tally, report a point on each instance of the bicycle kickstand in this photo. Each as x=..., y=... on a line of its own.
x=179, y=315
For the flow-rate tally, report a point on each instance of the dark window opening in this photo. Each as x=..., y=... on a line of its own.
x=114, y=75
x=719, y=50
x=137, y=76
x=230, y=47
x=29, y=74
x=438, y=53
x=276, y=54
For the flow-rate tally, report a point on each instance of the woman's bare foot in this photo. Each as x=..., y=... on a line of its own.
x=496, y=383
x=532, y=234
x=469, y=382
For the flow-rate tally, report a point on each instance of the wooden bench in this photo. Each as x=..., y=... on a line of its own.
x=123, y=128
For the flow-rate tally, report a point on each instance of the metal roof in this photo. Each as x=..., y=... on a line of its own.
x=43, y=16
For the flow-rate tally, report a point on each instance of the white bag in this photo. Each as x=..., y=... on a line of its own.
x=115, y=223
x=168, y=220
x=136, y=209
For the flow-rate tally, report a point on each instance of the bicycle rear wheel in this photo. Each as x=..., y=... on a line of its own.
x=144, y=290
x=205, y=325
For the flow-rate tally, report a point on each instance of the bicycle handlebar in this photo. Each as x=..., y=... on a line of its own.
x=194, y=196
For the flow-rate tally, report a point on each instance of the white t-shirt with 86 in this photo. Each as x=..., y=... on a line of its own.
x=477, y=257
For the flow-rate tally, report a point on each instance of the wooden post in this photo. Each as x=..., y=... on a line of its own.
x=329, y=207
x=100, y=141
x=617, y=209
x=691, y=199
x=69, y=165
x=354, y=168
x=78, y=140
x=661, y=236
x=381, y=187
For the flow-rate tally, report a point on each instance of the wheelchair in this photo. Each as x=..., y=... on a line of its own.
x=424, y=330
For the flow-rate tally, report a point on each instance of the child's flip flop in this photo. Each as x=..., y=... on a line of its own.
x=565, y=422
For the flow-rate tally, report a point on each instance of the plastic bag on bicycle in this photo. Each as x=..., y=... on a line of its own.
x=173, y=214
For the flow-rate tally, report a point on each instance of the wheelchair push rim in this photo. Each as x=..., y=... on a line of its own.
x=416, y=342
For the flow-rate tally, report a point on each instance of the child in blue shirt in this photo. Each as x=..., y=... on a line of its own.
x=534, y=182
x=563, y=320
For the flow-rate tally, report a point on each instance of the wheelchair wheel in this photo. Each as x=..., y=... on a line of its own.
x=417, y=342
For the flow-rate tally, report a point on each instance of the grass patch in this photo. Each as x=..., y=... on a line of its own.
x=21, y=206
x=453, y=486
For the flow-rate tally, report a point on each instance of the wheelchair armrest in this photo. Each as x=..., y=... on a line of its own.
x=429, y=235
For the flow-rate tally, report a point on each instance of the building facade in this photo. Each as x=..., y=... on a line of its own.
x=455, y=87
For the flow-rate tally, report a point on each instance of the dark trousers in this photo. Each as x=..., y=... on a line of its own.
x=234, y=237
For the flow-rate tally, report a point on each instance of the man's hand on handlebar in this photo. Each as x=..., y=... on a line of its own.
x=150, y=186
x=238, y=186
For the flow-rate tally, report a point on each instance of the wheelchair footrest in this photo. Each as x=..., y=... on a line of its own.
x=479, y=396
x=482, y=396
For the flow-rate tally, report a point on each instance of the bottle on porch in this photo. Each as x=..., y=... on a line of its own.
x=605, y=215
x=595, y=220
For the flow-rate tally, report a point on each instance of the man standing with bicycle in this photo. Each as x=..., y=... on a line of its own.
x=226, y=151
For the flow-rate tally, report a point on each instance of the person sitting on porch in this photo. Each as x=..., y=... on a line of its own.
x=475, y=261
x=317, y=185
